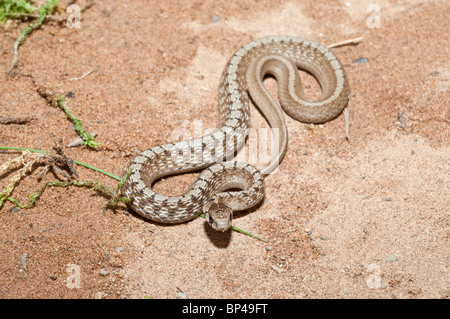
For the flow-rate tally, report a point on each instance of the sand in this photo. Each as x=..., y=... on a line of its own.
x=363, y=217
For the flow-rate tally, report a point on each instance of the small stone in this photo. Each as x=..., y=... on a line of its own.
x=215, y=18
x=402, y=120
x=269, y=248
x=277, y=269
x=387, y=199
x=118, y=249
x=24, y=259
x=103, y=272
x=14, y=209
x=98, y=295
x=361, y=60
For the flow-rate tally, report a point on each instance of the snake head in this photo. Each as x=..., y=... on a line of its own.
x=218, y=214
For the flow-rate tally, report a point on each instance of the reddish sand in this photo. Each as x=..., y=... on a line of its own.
x=360, y=218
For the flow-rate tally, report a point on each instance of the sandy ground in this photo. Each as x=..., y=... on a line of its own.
x=360, y=218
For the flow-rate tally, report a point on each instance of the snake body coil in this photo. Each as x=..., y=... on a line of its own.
x=243, y=75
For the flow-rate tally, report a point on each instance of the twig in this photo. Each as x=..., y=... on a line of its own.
x=345, y=42
x=75, y=161
x=56, y=100
x=83, y=76
x=346, y=111
x=27, y=164
x=347, y=121
x=79, y=141
x=16, y=119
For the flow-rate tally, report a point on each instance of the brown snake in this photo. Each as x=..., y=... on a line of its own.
x=279, y=56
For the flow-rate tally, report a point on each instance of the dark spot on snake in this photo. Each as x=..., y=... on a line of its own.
x=202, y=190
x=171, y=212
x=194, y=199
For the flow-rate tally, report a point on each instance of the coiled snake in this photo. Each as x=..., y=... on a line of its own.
x=279, y=56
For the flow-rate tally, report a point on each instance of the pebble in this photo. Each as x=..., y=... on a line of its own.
x=98, y=295
x=14, y=209
x=277, y=269
x=24, y=259
x=361, y=60
x=103, y=272
x=118, y=249
x=215, y=18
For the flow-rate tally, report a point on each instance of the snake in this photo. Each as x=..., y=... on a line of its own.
x=224, y=186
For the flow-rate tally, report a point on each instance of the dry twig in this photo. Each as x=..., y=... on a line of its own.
x=16, y=119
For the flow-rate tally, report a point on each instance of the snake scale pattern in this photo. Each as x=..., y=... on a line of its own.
x=214, y=191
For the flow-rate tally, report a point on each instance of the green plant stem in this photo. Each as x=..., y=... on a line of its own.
x=77, y=162
x=88, y=139
x=46, y=9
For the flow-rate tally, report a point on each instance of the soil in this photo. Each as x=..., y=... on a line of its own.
x=363, y=217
